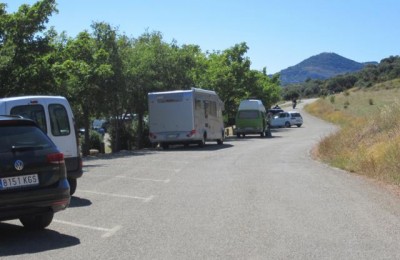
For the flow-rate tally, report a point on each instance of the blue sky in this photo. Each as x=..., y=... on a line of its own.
x=279, y=33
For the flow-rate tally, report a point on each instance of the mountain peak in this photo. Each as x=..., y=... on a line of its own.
x=322, y=66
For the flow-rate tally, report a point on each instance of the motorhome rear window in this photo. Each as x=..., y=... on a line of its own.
x=211, y=108
x=248, y=114
x=170, y=98
x=34, y=112
x=59, y=120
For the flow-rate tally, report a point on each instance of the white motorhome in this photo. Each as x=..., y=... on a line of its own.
x=185, y=117
x=54, y=116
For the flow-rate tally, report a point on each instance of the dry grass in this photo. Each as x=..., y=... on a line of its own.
x=369, y=140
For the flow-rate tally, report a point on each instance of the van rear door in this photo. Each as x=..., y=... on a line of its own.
x=53, y=118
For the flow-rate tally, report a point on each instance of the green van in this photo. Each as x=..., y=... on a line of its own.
x=251, y=118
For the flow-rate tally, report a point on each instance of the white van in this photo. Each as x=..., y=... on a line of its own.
x=54, y=115
x=185, y=117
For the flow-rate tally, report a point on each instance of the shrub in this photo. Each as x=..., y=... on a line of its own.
x=125, y=135
x=95, y=140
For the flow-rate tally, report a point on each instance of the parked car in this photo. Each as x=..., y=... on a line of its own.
x=274, y=111
x=287, y=119
x=33, y=175
x=100, y=125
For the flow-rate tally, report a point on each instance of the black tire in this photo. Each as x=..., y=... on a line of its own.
x=287, y=124
x=298, y=125
x=268, y=132
x=37, y=222
x=221, y=141
x=262, y=134
x=202, y=142
x=73, y=183
x=238, y=135
x=165, y=146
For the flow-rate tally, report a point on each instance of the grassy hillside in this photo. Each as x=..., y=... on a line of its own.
x=369, y=140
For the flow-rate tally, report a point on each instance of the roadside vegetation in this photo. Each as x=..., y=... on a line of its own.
x=107, y=74
x=368, y=142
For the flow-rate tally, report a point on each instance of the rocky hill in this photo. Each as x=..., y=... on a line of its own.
x=321, y=66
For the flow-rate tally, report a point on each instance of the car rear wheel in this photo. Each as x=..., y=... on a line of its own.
x=221, y=141
x=37, y=222
x=72, y=185
x=287, y=124
x=298, y=125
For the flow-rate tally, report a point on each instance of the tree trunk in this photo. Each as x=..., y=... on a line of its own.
x=139, y=140
x=86, y=122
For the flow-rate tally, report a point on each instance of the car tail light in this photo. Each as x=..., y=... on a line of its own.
x=55, y=158
x=61, y=203
x=191, y=133
x=152, y=135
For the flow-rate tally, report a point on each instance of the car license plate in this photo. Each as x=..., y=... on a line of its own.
x=19, y=181
x=172, y=136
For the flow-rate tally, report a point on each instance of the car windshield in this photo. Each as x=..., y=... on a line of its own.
x=22, y=138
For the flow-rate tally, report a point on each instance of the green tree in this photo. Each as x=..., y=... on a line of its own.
x=84, y=68
x=229, y=74
x=150, y=64
x=24, y=64
x=115, y=98
x=144, y=67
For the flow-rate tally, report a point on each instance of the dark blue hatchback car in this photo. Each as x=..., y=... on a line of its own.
x=33, y=182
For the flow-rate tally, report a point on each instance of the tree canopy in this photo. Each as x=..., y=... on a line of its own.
x=107, y=74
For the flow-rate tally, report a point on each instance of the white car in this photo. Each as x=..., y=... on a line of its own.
x=287, y=119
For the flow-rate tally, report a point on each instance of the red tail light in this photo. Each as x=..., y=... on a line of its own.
x=56, y=158
x=191, y=133
x=152, y=135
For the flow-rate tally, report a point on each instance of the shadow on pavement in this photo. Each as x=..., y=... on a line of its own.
x=15, y=240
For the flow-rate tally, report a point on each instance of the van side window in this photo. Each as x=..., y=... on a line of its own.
x=34, y=112
x=59, y=120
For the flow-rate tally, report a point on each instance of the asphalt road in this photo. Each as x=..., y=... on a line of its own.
x=251, y=198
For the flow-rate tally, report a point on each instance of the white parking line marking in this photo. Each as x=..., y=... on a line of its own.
x=111, y=232
x=108, y=232
x=142, y=179
x=119, y=195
